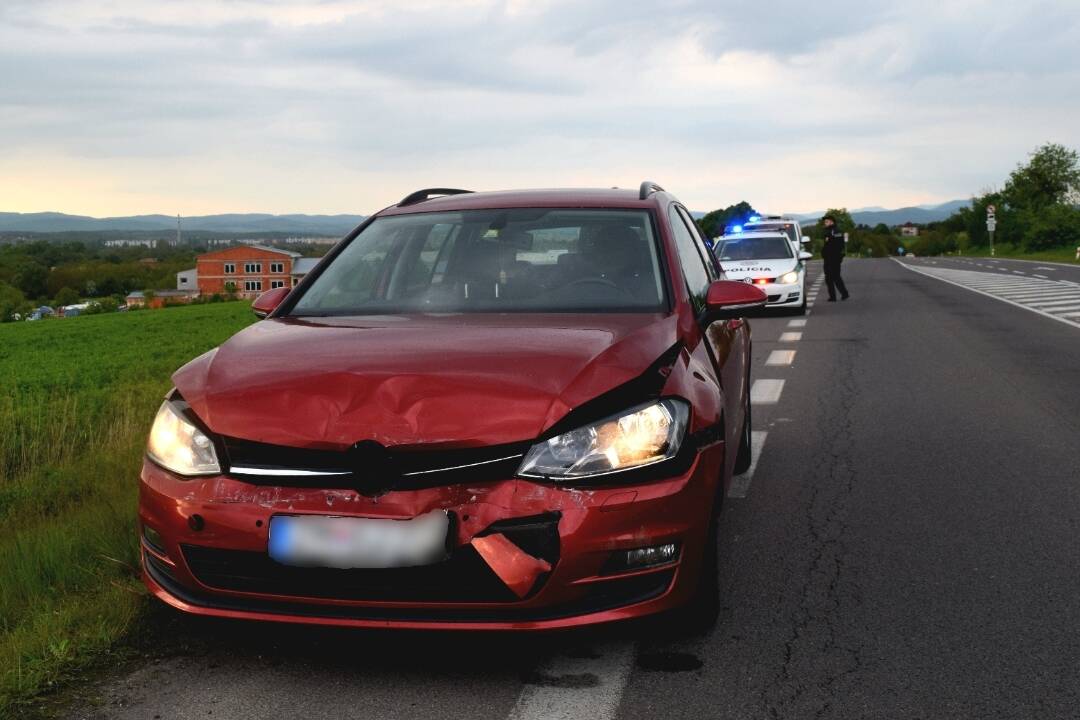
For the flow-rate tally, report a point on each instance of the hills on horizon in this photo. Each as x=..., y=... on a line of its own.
x=52, y=222
x=919, y=214
x=337, y=225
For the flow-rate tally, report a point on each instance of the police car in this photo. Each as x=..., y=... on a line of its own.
x=767, y=259
x=780, y=223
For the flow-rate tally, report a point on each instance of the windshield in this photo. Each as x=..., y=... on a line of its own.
x=518, y=260
x=788, y=228
x=754, y=248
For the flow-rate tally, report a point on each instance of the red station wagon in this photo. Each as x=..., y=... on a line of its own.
x=505, y=410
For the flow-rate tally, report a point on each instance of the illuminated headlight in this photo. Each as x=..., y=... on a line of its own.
x=179, y=446
x=641, y=436
x=788, y=278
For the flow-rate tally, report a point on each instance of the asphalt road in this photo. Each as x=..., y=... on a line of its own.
x=907, y=546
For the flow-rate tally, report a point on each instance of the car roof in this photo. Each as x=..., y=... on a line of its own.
x=554, y=198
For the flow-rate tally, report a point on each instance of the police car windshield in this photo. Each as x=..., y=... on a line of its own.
x=754, y=248
x=788, y=228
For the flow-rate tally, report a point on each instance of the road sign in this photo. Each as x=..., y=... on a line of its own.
x=991, y=224
x=991, y=210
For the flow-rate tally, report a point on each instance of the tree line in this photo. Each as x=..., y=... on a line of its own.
x=1036, y=210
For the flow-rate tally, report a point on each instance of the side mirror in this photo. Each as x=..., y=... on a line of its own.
x=805, y=255
x=268, y=301
x=805, y=239
x=730, y=299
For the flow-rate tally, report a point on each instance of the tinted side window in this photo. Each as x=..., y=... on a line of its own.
x=697, y=277
x=703, y=247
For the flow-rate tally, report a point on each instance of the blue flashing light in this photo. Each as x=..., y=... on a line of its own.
x=754, y=218
x=737, y=228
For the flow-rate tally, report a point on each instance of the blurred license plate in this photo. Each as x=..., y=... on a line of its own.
x=348, y=542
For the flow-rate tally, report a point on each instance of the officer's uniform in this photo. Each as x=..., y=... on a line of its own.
x=833, y=254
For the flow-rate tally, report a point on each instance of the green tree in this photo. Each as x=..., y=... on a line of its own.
x=1050, y=177
x=844, y=223
x=31, y=279
x=11, y=301
x=66, y=296
x=1056, y=226
x=713, y=223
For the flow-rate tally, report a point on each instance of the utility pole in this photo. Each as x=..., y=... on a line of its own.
x=177, y=229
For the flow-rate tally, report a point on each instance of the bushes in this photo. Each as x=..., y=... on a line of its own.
x=1057, y=226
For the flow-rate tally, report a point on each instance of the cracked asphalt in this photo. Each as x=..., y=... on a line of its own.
x=908, y=548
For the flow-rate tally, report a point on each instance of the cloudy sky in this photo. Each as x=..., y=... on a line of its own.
x=116, y=107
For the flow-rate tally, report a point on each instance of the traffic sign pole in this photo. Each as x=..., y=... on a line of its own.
x=991, y=225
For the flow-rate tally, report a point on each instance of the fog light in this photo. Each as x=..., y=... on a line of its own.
x=641, y=558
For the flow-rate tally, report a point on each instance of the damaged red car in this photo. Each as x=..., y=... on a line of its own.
x=507, y=410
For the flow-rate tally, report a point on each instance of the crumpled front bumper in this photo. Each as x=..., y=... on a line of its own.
x=524, y=555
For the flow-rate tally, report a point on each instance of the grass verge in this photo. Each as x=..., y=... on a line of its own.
x=1011, y=252
x=76, y=400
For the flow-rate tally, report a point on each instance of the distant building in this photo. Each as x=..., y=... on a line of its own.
x=249, y=269
x=130, y=242
x=187, y=279
x=301, y=267
x=909, y=229
x=161, y=297
x=310, y=240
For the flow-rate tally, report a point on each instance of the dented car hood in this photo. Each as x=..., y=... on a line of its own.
x=433, y=381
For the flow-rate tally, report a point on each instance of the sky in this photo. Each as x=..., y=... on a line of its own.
x=121, y=107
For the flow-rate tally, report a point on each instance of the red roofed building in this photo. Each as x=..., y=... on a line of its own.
x=251, y=269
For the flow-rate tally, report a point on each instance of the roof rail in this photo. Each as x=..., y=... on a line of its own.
x=648, y=188
x=427, y=193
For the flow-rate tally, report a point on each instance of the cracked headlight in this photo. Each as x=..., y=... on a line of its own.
x=640, y=436
x=788, y=278
x=179, y=446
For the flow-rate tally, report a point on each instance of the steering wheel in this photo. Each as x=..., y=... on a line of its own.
x=596, y=281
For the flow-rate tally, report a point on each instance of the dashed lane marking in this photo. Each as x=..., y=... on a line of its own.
x=740, y=484
x=1041, y=277
x=766, y=392
x=790, y=337
x=566, y=688
x=780, y=357
x=797, y=323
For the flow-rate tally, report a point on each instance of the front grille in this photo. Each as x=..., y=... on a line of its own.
x=463, y=578
x=774, y=298
x=369, y=466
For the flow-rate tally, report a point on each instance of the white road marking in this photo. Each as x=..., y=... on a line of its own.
x=1041, y=277
x=1006, y=292
x=740, y=484
x=781, y=357
x=556, y=695
x=766, y=392
x=797, y=323
x=1072, y=315
x=1019, y=272
x=790, y=337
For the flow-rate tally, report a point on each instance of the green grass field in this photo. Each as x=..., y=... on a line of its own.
x=76, y=399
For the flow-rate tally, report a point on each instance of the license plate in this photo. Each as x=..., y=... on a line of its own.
x=348, y=542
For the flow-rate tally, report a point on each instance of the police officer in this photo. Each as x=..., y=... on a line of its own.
x=833, y=254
